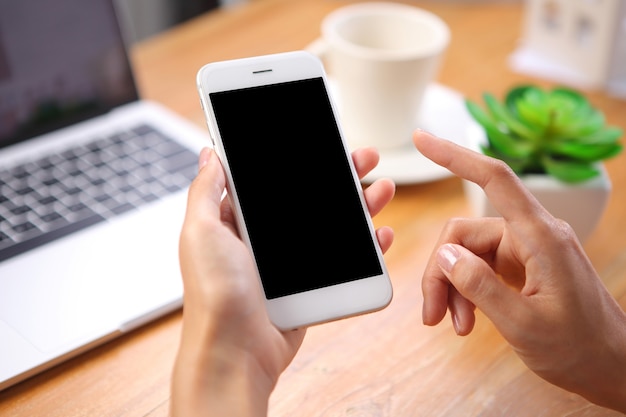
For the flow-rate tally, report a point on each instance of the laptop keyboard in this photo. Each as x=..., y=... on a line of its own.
x=51, y=197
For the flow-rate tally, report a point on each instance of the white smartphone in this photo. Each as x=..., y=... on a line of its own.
x=297, y=199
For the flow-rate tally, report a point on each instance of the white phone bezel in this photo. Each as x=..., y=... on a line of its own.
x=314, y=306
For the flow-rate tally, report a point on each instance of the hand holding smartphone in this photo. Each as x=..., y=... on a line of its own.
x=275, y=129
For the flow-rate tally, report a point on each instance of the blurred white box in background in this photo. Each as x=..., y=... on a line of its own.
x=580, y=43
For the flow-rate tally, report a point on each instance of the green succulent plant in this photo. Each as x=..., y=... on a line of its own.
x=555, y=132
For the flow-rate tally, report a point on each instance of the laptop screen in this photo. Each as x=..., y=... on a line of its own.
x=60, y=63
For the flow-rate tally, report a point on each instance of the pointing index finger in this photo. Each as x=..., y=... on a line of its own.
x=501, y=185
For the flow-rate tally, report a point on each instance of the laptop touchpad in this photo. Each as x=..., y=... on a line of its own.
x=88, y=285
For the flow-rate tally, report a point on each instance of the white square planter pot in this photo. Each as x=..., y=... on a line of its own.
x=581, y=205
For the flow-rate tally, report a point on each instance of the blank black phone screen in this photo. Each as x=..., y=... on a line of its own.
x=299, y=201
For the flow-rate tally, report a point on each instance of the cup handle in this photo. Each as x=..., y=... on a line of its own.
x=318, y=47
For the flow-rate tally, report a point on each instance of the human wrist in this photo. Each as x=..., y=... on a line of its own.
x=615, y=385
x=606, y=385
x=214, y=378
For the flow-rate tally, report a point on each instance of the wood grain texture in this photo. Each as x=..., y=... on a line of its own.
x=382, y=364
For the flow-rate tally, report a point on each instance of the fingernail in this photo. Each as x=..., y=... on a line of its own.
x=447, y=255
x=456, y=323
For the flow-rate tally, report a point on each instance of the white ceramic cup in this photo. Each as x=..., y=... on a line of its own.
x=381, y=58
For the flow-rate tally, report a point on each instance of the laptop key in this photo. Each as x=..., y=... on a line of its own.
x=24, y=227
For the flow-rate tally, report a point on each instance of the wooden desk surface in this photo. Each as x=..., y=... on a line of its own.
x=383, y=364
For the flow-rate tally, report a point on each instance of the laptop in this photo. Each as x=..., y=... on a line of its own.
x=93, y=187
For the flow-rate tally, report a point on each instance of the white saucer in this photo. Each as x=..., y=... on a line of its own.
x=444, y=114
